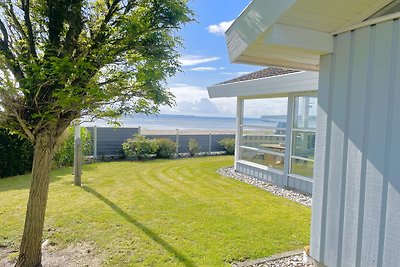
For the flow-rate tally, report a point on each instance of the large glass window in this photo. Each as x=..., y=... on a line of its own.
x=264, y=129
x=303, y=135
x=263, y=132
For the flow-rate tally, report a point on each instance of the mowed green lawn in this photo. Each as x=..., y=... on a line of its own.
x=160, y=213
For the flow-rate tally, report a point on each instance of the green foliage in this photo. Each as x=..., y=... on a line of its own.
x=16, y=154
x=65, y=154
x=61, y=60
x=194, y=147
x=139, y=147
x=229, y=145
x=166, y=148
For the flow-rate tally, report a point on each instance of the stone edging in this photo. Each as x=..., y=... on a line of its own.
x=268, y=259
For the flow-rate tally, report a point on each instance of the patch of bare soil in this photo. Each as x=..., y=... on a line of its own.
x=82, y=254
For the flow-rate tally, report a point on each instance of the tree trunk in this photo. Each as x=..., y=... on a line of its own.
x=30, y=250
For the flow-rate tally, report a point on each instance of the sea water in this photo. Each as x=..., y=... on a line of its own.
x=184, y=122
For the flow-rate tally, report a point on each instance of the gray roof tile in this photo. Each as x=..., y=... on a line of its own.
x=264, y=73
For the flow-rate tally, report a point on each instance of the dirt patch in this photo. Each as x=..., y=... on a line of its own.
x=82, y=254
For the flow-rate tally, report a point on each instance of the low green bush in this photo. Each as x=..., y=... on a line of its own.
x=16, y=154
x=139, y=147
x=166, y=148
x=65, y=153
x=194, y=147
x=228, y=144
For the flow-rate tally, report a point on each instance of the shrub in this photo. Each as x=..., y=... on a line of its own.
x=194, y=147
x=65, y=151
x=139, y=147
x=229, y=145
x=166, y=148
x=16, y=154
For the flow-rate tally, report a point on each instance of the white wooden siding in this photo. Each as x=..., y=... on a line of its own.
x=356, y=195
x=274, y=177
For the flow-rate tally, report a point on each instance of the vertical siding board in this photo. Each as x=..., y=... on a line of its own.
x=369, y=147
x=290, y=182
x=388, y=141
x=322, y=140
x=355, y=142
x=343, y=188
x=338, y=115
x=304, y=186
x=309, y=187
x=391, y=248
x=376, y=141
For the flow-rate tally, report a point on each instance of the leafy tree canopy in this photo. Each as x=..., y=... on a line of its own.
x=64, y=59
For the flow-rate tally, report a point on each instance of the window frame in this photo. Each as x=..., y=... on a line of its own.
x=290, y=132
x=243, y=126
x=294, y=130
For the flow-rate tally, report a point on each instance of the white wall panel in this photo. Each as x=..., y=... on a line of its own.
x=356, y=191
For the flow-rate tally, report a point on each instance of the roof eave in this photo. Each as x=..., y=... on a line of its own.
x=253, y=21
x=281, y=84
x=257, y=36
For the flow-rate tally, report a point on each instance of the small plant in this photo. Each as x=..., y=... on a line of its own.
x=65, y=149
x=166, y=148
x=194, y=147
x=229, y=145
x=139, y=147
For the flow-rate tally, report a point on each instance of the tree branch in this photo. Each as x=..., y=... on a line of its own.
x=101, y=35
x=24, y=127
x=11, y=61
x=4, y=33
x=16, y=22
x=75, y=22
x=28, y=24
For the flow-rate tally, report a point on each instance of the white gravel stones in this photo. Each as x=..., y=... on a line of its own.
x=293, y=261
x=286, y=259
x=289, y=193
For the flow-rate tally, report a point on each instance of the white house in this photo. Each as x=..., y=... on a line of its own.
x=355, y=46
x=283, y=154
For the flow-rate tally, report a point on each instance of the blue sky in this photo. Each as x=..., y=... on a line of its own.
x=205, y=60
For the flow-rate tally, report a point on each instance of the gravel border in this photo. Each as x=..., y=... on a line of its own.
x=289, y=193
x=288, y=259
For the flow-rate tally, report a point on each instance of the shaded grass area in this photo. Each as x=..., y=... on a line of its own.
x=160, y=213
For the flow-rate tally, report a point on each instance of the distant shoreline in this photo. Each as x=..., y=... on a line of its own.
x=147, y=131
x=167, y=124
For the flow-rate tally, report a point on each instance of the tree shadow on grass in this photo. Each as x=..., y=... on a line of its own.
x=184, y=260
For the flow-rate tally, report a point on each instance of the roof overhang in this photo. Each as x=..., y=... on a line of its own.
x=277, y=85
x=293, y=33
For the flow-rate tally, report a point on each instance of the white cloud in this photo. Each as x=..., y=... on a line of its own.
x=191, y=60
x=220, y=29
x=194, y=100
x=203, y=69
x=202, y=106
x=267, y=106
